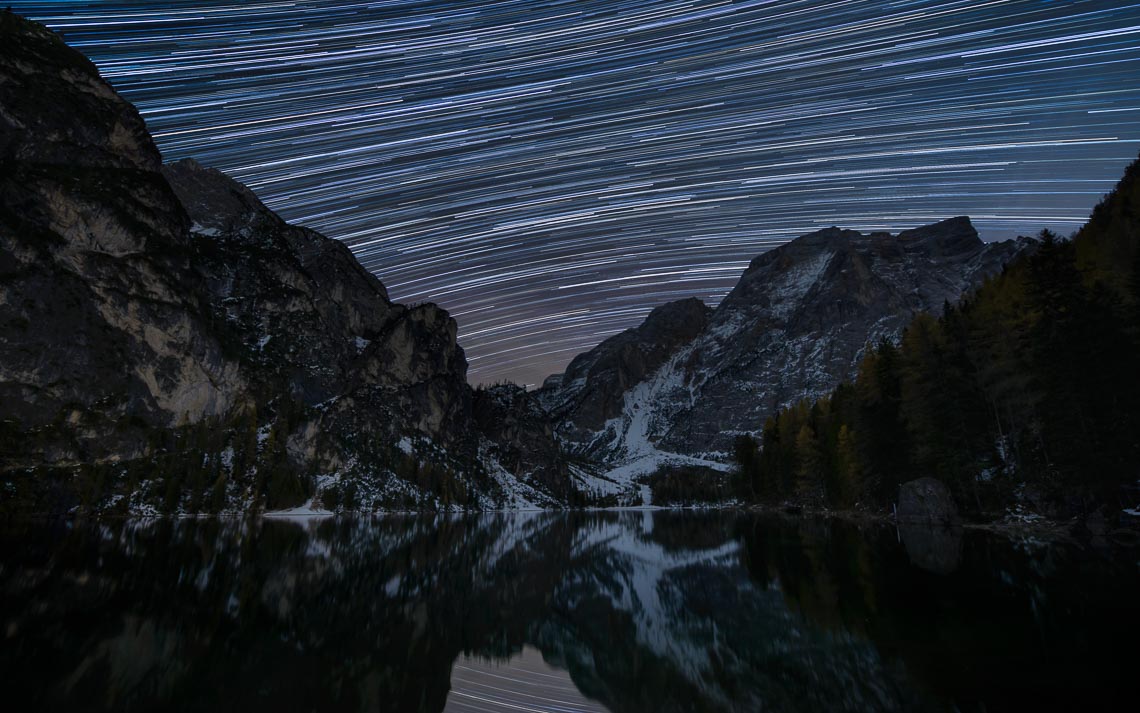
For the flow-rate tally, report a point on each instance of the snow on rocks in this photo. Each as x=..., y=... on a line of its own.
x=632, y=440
x=309, y=509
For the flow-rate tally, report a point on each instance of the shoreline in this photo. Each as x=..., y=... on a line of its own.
x=1072, y=531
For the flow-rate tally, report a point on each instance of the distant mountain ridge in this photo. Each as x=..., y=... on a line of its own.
x=690, y=379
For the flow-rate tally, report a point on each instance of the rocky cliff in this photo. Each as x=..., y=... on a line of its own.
x=689, y=380
x=169, y=343
x=104, y=325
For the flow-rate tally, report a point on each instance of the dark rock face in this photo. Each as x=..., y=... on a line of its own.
x=520, y=436
x=795, y=325
x=163, y=315
x=100, y=308
x=926, y=501
x=311, y=315
x=46, y=87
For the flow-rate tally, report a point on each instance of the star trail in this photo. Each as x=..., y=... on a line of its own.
x=550, y=171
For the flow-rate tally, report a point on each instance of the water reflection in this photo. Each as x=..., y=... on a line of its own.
x=640, y=611
x=936, y=548
x=524, y=682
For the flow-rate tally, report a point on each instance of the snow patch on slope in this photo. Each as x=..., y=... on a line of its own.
x=788, y=293
x=632, y=436
x=516, y=492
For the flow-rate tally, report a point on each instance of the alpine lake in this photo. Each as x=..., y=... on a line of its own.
x=627, y=610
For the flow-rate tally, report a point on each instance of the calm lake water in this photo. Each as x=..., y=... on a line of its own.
x=614, y=611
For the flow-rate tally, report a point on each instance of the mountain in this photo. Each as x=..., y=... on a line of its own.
x=591, y=390
x=685, y=383
x=1022, y=398
x=169, y=343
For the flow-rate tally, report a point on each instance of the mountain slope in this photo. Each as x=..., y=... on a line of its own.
x=794, y=326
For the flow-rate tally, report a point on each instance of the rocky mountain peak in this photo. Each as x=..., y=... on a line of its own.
x=78, y=161
x=56, y=109
x=593, y=386
x=953, y=236
x=676, y=321
x=664, y=328
x=801, y=248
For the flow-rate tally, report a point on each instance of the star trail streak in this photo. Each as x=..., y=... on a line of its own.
x=550, y=171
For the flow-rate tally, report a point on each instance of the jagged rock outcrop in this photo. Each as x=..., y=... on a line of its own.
x=168, y=342
x=793, y=327
x=310, y=315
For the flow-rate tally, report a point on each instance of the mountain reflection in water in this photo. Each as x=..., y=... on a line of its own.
x=641, y=611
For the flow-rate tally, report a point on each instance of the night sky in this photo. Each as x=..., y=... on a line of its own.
x=550, y=171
